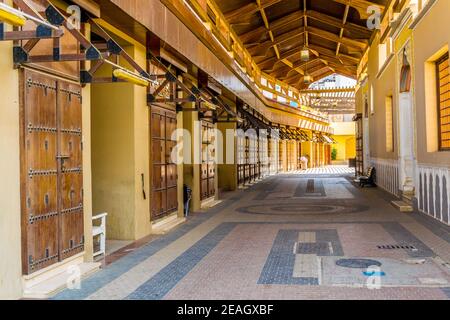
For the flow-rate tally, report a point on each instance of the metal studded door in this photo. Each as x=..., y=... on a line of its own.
x=281, y=157
x=70, y=164
x=290, y=148
x=164, y=200
x=241, y=158
x=299, y=155
x=208, y=166
x=52, y=181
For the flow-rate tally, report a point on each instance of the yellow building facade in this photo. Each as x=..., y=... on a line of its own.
x=403, y=102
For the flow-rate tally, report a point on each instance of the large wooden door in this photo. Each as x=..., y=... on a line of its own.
x=208, y=166
x=52, y=179
x=241, y=158
x=246, y=159
x=299, y=154
x=281, y=157
x=164, y=200
x=264, y=156
x=359, y=171
x=292, y=165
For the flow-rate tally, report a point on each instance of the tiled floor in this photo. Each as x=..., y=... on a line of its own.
x=287, y=237
x=336, y=169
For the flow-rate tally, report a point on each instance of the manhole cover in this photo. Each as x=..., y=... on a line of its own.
x=358, y=263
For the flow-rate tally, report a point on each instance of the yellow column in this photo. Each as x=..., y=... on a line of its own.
x=87, y=166
x=10, y=230
x=227, y=172
x=120, y=155
x=191, y=171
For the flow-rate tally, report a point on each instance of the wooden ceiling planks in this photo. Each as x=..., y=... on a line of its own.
x=275, y=31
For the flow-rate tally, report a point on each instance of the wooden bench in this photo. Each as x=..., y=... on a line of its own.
x=368, y=179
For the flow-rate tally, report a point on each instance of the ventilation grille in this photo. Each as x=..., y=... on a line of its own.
x=397, y=247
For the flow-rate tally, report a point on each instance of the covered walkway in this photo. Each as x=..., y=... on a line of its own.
x=288, y=237
x=115, y=112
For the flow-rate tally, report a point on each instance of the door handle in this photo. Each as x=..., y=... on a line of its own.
x=61, y=159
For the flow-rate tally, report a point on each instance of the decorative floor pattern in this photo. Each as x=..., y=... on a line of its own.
x=281, y=239
x=337, y=170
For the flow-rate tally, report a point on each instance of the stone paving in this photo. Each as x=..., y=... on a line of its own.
x=285, y=238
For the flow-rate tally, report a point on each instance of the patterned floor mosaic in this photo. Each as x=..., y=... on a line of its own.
x=287, y=237
x=328, y=170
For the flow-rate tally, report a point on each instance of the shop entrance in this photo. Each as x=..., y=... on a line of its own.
x=51, y=170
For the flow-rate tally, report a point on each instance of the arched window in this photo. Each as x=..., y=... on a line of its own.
x=405, y=75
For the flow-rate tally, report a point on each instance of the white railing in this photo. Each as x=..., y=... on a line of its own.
x=433, y=192
x=386, y=171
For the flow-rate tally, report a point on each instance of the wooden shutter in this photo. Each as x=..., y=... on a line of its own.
x=443, y=75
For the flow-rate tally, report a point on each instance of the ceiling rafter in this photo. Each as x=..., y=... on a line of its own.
x=361, y=6
x=249, y=10
x=274, y=32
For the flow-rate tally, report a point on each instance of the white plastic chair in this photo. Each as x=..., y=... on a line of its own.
x=100, y=231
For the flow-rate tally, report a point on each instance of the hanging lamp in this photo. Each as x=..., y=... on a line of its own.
x=304, y=53
x=307, y=78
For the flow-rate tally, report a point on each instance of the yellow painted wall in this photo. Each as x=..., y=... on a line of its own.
x=120, y=154
x=141, y=152
x=431, y=35
x=227, y=172
x=87, y=172
x=10, y=212
x=191, y=172
x=307, y=151
x=350, y=147
x=10, y=230
x=87, y=167
x=429, y=39
x=112, y=157
x=383, y=86
x=345, y=146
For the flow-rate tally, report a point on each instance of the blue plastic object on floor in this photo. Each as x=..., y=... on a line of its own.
x=374, y=273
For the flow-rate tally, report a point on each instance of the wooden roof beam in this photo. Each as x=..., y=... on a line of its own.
x=266, y=24
x=285, y=55
x=327, y=53
x=300, y=65
x=312, y=14
x=274, y=25
x=313, y=71
x=335, y=22
x=262, y=48
x=305, y=24
x=341, y=33
x=361, y=6
x=248, y=10
x=359, y=45
x=331, y=53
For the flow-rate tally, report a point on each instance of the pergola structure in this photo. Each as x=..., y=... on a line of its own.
x=274, y=32
x=331, y=101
